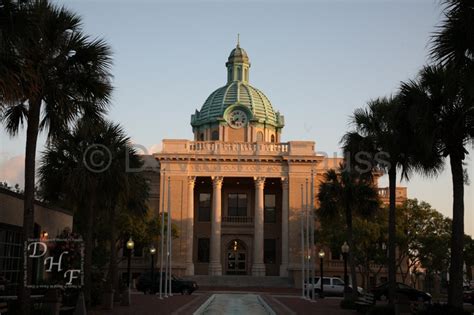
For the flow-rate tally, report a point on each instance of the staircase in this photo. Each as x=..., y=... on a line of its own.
x=242, y=281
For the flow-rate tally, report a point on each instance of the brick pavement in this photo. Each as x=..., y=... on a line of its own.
x=142, y=304
x=286, y=302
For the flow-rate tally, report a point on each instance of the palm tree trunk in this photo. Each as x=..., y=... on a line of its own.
x=88, y=252
x=350, y=239
x=392, y=268
x=29, y=201
x=113, y=273
x=455, y=293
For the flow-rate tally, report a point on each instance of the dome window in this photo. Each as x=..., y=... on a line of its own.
x=201, y=137
x=215, y=135
x=259, y=136
x=272, y=139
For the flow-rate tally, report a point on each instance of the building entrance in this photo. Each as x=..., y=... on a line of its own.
x=236, y=257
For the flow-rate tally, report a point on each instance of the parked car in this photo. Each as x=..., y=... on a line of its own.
x=178, y=285
x=381, y=292
x=331, y=286
x=469, y=297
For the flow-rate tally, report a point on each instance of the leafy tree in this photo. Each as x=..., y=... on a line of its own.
x=50, y=74
x=343, y=193
x=424, y=235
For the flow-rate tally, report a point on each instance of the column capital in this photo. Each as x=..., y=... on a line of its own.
x=191, y=181
x=217, y=181
x=259, y=182
x=284, y=182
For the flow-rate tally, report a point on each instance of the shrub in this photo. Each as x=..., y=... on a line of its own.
x=347, y=304
x=385, y=309
x=442, y=309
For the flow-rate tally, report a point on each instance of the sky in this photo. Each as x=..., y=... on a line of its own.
x=316, y=61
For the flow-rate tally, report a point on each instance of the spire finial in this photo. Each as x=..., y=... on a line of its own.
x=238, y=40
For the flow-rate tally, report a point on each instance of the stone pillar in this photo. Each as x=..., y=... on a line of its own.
x=284, y=228
x=258, y=267
x=190, y=228
x=215, y=266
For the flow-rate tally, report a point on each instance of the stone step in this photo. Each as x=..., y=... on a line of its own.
x=241, y=281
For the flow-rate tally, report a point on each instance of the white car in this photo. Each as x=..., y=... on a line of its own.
x=331, y=286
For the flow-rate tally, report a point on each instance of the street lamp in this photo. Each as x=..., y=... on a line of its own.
x=126, y=297
x=130, y=245
x=345, y=251
x=321, y=257
x=152, y=254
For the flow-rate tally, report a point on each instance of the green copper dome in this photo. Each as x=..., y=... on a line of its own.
x=237, y=93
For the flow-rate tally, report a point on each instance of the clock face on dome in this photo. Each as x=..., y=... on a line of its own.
x=237, y=118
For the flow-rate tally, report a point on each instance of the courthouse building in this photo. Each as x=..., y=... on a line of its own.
x=235, y=188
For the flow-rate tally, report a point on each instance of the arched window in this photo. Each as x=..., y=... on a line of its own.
x=239, y=74
x=215, y=135
x=259, y=136
x=201, y=137
x=272, y=139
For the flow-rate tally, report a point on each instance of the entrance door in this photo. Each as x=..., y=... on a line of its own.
x=236, y=258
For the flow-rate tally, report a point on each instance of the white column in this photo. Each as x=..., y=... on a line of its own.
x=215, y=267
x=258, y=267
x=284, y=228
x=190, y=229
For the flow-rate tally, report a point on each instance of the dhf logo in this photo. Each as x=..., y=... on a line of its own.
x=59, y=263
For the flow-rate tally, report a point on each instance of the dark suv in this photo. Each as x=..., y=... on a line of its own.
x=144, y=284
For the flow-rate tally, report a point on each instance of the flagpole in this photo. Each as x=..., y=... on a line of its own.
x=167, y=243
x=307, y=239
x=162, y=231
x=313, y=252
x=169, y=236
x=303, y=293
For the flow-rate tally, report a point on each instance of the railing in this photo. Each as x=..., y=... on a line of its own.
x=237, y=147
x=237, y=220
x=292, y=148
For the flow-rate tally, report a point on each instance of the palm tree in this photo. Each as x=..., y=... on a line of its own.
x=442, y=114
x=381, y=142
x=453, y=43
x=92, y=161
x=345, y=193
x=50, y=74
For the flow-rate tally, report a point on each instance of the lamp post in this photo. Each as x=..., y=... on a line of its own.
x=130, y=245
x=345, y=251
x=126, y=297
x=152, y=254
x=321, y=258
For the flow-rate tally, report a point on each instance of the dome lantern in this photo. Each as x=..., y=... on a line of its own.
x=238, y=64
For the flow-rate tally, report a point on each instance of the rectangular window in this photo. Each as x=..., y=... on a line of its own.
x=269, y=251
x=204, y=207
x=270, y=208
x=336, y=254
x=10, y=253
x=237, y=205
x=203, y=250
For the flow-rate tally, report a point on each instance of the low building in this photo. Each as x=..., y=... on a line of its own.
x=48, y=221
